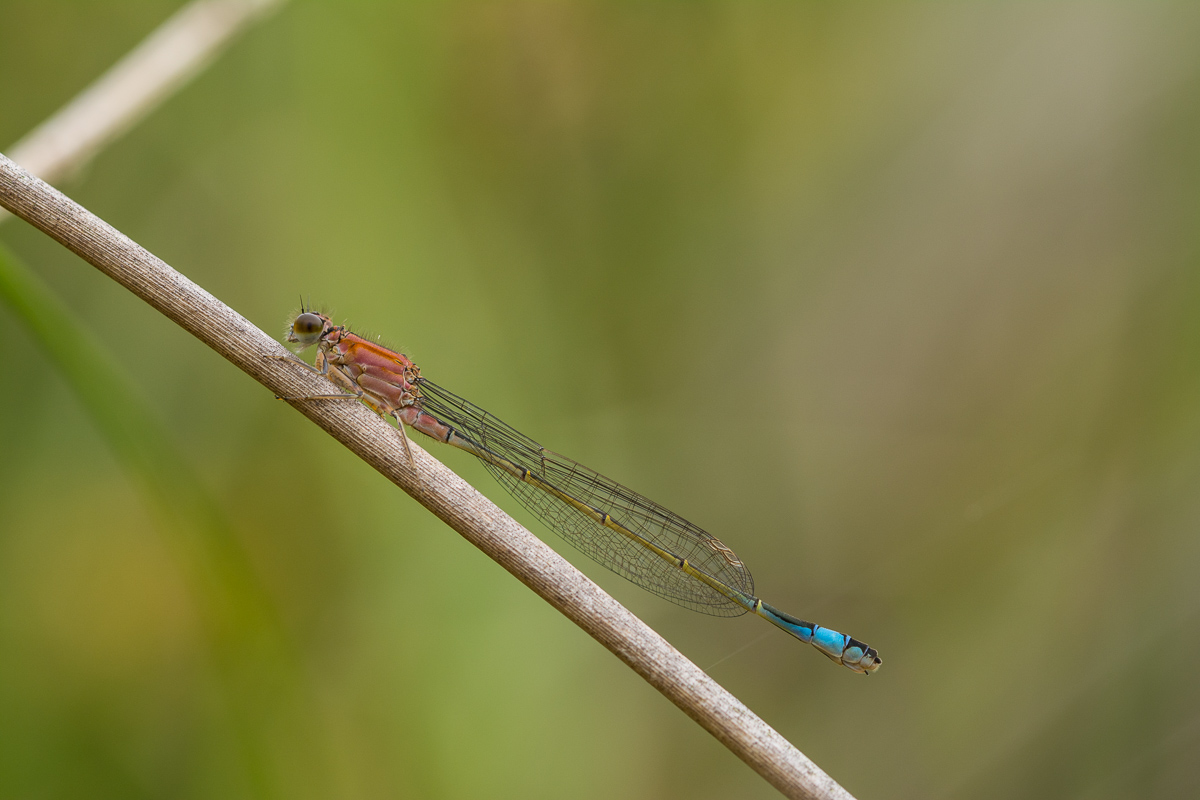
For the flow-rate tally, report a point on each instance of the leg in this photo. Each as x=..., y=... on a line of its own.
x=404, y=441
x=318, y=397
x=382, y=407
x=341, y=379
x=295, y=359
x=322, y=368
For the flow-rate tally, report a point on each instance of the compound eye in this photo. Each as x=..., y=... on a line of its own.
x=308, y=325
x=306, y=330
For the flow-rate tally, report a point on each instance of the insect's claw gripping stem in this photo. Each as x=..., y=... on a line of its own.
x=291, y=358
x=296, y=360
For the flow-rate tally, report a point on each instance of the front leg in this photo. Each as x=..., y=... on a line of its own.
x=322, y=367
x=379, y=403
x=336, y=376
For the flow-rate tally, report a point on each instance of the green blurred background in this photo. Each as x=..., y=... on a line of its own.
x=902, y=301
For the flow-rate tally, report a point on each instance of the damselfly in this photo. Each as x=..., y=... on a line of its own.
x=619, y=528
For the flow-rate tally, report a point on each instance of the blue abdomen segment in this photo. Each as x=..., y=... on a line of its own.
x=845, y=650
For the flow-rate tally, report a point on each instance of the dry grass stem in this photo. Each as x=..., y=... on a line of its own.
x=432, y=484
x=150, y=73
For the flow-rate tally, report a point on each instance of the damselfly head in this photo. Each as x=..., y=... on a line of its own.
x=306, y=329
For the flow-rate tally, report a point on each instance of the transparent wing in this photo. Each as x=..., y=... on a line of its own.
x=606, y=546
